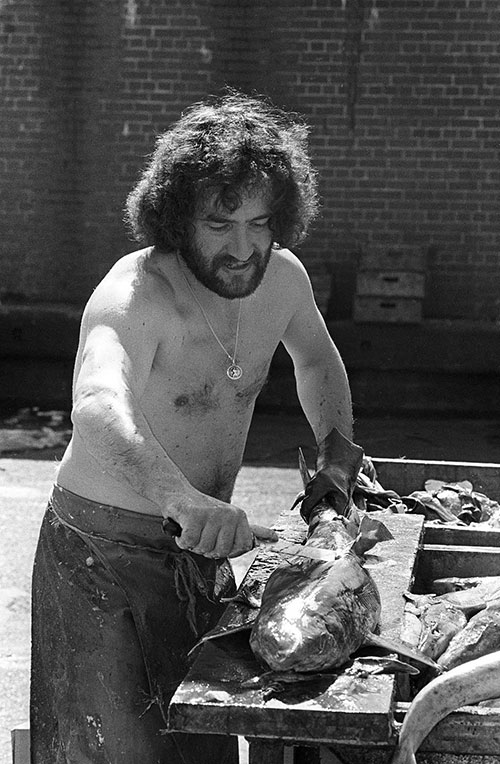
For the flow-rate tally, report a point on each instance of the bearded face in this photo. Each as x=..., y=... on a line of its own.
x=229, y=251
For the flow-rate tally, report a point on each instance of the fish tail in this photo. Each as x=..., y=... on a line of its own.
x=304, y=472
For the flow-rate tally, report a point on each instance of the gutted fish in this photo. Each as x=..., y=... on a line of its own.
x=486, y=586
x=314, y=615
x=469, y=594
x=480, y=636
x=440, y=621
x=469, y=683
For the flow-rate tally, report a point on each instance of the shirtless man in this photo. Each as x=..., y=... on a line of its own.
x=175, y=345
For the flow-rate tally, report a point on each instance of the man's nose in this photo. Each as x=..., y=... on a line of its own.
x=241, y=245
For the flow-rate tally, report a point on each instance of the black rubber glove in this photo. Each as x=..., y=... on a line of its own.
x=337, y=465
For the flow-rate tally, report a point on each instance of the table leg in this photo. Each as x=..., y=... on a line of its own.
x=306, y=755
x=264, y=751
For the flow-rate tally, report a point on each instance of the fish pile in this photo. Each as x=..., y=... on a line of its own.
x=457, y=622
x=316, y=613
x=452, y=503
x=458, y=625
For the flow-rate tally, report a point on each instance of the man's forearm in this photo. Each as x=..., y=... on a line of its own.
x=325, y=398
x=119, y=438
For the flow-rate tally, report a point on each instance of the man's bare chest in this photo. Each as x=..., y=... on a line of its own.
x=195, y=367
x=198, y=384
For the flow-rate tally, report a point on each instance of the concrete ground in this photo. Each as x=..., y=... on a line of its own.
x=267, y=484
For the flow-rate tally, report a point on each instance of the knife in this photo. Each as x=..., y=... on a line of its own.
x=289, y=548
x=281, y=547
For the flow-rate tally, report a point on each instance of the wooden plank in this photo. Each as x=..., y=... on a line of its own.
x=469, y=730
x=442, y=560
x=347, y=709
x=472, y=731
x=392, y=566
x=407, y=475
x=461, y=536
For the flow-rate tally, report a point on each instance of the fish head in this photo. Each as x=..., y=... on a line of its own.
x=318, y=622
x=293, y=638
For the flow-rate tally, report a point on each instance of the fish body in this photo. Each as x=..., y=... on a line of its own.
x=314, y=615
x=469, y=683
x=469, y=594
x=486, y=586
x=479, y=637
x=439, y=622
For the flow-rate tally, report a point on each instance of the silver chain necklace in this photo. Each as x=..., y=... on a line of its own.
x=234, y=370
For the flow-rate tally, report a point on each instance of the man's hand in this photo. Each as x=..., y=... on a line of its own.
x=218, y=531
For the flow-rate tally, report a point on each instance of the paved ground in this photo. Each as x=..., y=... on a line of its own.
x=267, y=484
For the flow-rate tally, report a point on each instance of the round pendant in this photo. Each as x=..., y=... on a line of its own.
x=234, y=371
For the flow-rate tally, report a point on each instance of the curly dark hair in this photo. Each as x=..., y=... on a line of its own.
x=225, y=147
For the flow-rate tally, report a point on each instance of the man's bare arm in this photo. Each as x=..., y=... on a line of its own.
x=322, y=384
x=115, y=364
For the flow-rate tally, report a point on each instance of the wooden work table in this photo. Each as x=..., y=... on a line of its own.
x=345, y=709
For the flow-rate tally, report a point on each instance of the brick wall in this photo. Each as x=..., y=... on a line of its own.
x=87, y=86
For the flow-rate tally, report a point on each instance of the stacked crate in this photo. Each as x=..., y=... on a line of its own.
x=390, y=286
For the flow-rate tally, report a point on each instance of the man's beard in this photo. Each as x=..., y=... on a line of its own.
x=240, y=284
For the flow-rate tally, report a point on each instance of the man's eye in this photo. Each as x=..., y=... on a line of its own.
x=260, y=223
x=218, y=226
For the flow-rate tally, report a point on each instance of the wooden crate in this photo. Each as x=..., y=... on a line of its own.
x=380, y=283
x=396, y=310
x=390, y=286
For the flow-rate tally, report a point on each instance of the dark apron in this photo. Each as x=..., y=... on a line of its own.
x=116, y=608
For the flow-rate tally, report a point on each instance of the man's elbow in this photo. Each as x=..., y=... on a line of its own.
x=93, y=405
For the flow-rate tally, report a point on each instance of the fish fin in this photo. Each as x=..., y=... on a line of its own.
x=304, y=472
x=394, y=646
x=375, y=664
x=370, y=532
x=225, y=631
x=298, y=499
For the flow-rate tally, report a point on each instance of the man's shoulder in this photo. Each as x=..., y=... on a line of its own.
x=287, y=269
x=135, y=282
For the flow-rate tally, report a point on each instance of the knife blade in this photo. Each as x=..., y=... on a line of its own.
x=282, y=547
x=289, y=548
